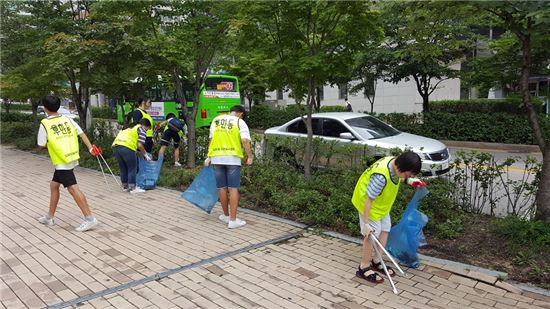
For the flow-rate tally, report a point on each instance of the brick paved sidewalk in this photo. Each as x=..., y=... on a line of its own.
x=156, y=251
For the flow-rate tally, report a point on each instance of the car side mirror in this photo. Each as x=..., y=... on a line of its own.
x=347, y=135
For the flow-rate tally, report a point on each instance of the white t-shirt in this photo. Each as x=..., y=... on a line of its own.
x=231, y=160
x=42, y=140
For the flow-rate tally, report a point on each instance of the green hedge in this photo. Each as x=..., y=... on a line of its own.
x=465, y=126
x=511, y=105
x=264, y=117
x=104, y=112
x=18, y=107
x=17, y=117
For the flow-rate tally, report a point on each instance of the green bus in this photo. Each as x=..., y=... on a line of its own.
x=217, y=95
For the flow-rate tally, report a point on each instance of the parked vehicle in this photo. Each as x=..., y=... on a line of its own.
x=62, y=111
x=346, y=128
x=217, y=95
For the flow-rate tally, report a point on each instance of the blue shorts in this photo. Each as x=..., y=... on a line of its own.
x=227, y=176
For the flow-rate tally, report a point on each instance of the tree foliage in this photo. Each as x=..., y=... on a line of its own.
x=426, y=38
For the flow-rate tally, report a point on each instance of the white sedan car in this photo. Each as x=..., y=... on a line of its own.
x=62, y=111
x=366, y=130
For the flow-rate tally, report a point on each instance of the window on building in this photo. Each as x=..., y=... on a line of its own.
x=321, y=93
x=279, y=94
x=342, y=91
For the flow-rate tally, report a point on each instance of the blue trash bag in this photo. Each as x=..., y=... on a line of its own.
x=203, y=192
x=405, y=237
x=149, y=172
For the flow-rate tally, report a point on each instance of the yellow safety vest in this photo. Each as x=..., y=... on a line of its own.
x=62, y=139
x=149, y=132
x=128, y=138
x=226, y=138
x=382, y=204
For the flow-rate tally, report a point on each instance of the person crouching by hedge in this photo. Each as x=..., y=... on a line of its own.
x=60, y=135
x=373, y=197
x=125, y=145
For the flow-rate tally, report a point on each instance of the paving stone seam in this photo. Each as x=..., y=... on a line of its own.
x=170, y=272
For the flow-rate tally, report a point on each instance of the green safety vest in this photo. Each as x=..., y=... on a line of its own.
x=226, y=138
x=144, y=114
x=62, y=139
x=128, y=138
x=382, y=204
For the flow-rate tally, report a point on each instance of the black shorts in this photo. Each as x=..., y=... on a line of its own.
x=170, y=135
x=64, y=177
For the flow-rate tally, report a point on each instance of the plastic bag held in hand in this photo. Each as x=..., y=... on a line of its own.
x=416, y=182
x=96, y=151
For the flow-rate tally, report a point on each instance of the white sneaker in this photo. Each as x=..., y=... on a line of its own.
x=177, y=163
x=236, y=224
x=223, y=218
x=46, y=221
x=137, y=190
x=86, y=225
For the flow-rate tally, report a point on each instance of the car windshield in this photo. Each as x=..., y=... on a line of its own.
x=371, y=128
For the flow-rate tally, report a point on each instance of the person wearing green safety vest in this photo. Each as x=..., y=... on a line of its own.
x=126, y=144
x=228, y=135
x=60, y=135
x=173, y=131
x=373, y=198
x=144, y=103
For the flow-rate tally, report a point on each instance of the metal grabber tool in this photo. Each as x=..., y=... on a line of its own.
x=103, y=172
x=376, y=244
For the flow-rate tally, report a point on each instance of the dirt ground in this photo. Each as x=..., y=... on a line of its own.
x=481, y=246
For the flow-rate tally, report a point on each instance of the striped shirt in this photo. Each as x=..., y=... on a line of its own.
x=141, y=135
x=377, y=182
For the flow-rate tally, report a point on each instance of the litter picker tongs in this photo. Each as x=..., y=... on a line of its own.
x=103, y=172
x=376, y=244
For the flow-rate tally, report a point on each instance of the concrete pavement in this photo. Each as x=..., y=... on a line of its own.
x=156, y=251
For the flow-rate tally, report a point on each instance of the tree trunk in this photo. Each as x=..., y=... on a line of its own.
x=425, y=103
x=309, y=141
x=543, y=194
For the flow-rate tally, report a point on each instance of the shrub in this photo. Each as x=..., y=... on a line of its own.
x=332, y=108
x=13, y=131
x=264, y=117
x=17, y=117
x=17, y=107
x=104, y=112
x=533, y=234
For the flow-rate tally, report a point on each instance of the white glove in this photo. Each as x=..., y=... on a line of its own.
x=366, y=229
x=147, y=157
x=207, y=161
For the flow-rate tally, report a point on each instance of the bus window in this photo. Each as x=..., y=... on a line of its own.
x=220, y=84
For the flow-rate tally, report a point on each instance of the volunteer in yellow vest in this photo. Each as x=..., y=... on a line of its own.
x=173, y=131
x=228, y=135
x=125, y=145
x=60, y=135
x=144, y=103
x=373, y=198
